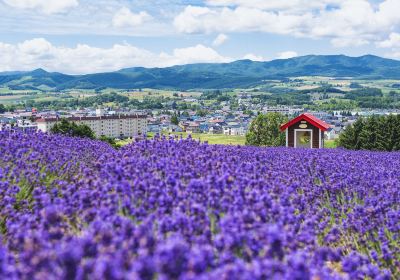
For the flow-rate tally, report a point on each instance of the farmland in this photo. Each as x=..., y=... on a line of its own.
x=214, y=139
x=315, y=93
x=72, y=208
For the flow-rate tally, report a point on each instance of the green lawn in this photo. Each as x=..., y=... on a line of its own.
x=210, y=138
x=330, y=144
x=217, y=139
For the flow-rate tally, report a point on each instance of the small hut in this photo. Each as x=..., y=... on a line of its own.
x=305, y=131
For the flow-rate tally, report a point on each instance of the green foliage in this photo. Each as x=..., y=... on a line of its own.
x=364, y=92
x=175, y=119
x=238, y=74
x=289, y=98
x=323, y=89
x=355, y=85
x=73, y=129
x=2, y=108
x=264, y=130
x=377, y=133
x=202, y=113
x=110, y=141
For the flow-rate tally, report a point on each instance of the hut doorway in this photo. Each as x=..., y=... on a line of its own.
x=303, y=138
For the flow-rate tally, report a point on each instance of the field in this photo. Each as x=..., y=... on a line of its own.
x=72, y=208
x=215, y=139
x=330, y=144
x=203, y=137
x=277, y=92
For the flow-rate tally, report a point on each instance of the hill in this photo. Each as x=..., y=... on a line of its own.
x=237, y=74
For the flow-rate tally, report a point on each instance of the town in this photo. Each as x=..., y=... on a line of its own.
x=190, y=115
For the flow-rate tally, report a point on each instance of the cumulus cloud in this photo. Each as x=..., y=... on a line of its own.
x=220, y=39
x=253, y=57
x=45, y=6
x=205, y=20
x=392, y=42
x=298, y=5
x=83, y=58
x=125, y=18
x=344, y=23
x=286, y=55
x=342, y=42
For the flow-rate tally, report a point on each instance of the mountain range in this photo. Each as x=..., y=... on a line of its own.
x=237, y=74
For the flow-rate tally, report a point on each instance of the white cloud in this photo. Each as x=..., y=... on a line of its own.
x=196, y=54
x=45, y=6
x=286, y=55
x=344, y=23
x=83, y=58
x=253, y=57
x=298, y=5
x=205, y=20
x=220, y=39
x=342, y=42
x=395, y=55
x=125, y=18
x=392, y=42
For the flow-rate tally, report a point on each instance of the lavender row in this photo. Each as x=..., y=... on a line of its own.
x=178, y=209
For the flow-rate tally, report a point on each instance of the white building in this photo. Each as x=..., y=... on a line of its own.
x=234, y=130
x=116, y=126
x=285, y=110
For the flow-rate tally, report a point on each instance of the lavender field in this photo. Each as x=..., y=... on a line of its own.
x=176, y=209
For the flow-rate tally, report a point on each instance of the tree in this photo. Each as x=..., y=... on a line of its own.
x=201, y=113
x=369, y=134
x=2, y=108
x=373, y=133
x=264, y=130
x=174, y=119
x=72, y=129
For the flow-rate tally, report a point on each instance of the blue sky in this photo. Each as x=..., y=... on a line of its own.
x=85, y=36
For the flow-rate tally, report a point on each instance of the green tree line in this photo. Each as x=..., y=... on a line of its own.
x=376, y=133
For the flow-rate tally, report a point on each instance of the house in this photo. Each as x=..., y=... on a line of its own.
x=234, y=130
x=333, y=133
x=156, y=128
x=193, y=127
x=204, y=127
x=25, y=125
x=305, y=131
x=174, y=128
x=215, y=129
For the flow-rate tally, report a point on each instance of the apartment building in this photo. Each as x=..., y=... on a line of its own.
x=115, y=126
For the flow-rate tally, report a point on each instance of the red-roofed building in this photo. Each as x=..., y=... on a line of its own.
x=305, y=131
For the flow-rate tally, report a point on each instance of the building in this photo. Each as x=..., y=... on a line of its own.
x=284, y=110
x=116, y=126
x=305, y=131
x=25, y=125
x=174, y=128
x=215, y=129
x=190, y=127
x=234, y=130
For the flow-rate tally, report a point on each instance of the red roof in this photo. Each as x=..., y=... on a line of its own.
x=309, y=118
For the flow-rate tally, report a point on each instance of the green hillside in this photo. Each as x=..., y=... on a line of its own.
x=238, y=74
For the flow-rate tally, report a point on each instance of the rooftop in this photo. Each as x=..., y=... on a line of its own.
x=85, y=118
x=309, y=118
